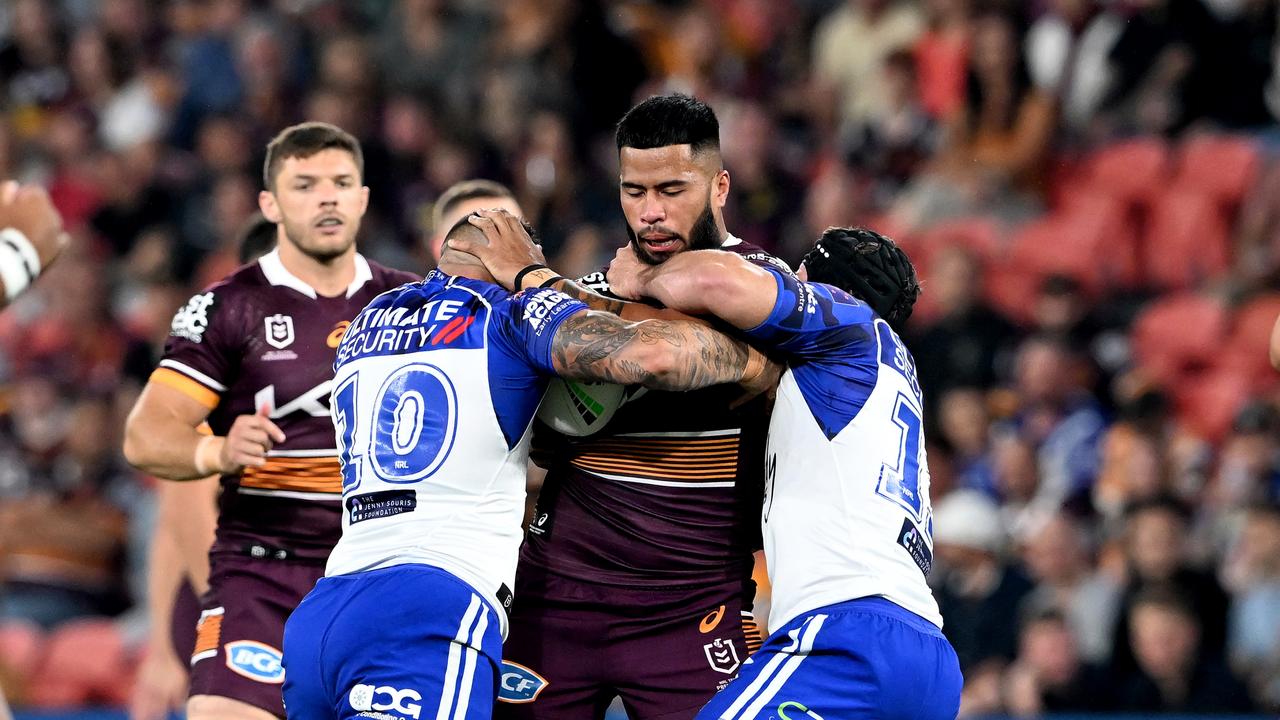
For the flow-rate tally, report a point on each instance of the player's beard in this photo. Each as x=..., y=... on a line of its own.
x=703, y=236
x=321, y=250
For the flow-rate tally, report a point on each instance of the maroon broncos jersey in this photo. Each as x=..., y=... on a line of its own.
x=263, y=337
x=667, y=496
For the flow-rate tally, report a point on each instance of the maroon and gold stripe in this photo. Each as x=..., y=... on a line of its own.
x=312, y=475
x=687, y=459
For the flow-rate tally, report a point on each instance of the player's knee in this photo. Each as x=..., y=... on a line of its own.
x=214, y=707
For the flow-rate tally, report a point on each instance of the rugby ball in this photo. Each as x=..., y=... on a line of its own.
x=579, y=409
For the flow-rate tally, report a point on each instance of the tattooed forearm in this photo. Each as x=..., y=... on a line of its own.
x=668, y=355
x=594, y=300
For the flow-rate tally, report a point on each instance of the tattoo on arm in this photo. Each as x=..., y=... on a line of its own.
x=668, y=355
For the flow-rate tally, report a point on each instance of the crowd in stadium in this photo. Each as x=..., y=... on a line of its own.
x=1087, y=188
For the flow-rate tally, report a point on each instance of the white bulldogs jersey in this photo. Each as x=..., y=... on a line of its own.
x=846, y=510
x=436, y=388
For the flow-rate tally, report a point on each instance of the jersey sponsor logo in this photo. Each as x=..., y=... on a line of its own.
x=313, y=402
x=255, y=661
x=279, y=330
x=192, y=320
x=335, y=335
x=381, y=504
x=539, y=308
x=914, y=541
x=520, y=684
x=711, y=621
x=384, y=698
x=722, y=656
x=792, y=710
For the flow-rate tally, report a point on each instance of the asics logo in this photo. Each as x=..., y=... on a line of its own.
x=711, y=621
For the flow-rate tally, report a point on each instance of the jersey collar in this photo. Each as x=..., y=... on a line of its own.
x=277, y=274
x=731, y=241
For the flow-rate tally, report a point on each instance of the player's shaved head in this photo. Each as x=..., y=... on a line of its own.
x=452, y=259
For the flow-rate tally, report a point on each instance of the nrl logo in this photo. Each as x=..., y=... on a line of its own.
x=722, y=656
x=279, y=331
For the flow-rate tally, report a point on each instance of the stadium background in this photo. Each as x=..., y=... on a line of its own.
x=1089, y=190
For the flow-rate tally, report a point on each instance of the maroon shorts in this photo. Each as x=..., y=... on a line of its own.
x=241, y=629
x=663, y=655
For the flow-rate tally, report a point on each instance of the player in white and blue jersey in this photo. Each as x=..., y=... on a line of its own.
x=855, y=631
x=436, y=386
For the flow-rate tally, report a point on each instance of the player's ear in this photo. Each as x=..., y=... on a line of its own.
x=364, y=198
x=270, y=209
x=720, y=189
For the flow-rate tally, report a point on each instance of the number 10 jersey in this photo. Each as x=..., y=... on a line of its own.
x=435, y=390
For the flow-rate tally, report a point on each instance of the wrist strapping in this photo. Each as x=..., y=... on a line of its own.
x=19, y=262
x=515, y=284
x=204, y=464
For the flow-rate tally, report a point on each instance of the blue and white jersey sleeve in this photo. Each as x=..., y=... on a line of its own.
x=829, y=339
x=526, y=324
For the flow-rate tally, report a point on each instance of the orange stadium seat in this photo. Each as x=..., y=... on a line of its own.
x=1130, y=171
x=1221, y=166
x=1179, y=333
x=86, y=662
x=1186, y=241
x=22, y=645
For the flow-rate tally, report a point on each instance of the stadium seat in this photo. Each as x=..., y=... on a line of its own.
x=1186, y=242
x=1011, y=290
x=1091, y=241
x=1246, y=349
x=1180, y=333
x=1130, y=171
x=86, y=661
x=22, y=645
x=1208, y=402
x=1223, y=167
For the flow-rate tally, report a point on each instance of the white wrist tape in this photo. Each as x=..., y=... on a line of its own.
x=19, y=262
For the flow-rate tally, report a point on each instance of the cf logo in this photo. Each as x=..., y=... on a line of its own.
x=362, y=699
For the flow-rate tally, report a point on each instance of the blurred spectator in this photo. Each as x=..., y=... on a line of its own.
x=32, y=63
x=891, y=146
x=1152, y=61
x=1050, y=676
x=1252, y=574
x=977, y=592
x=850, y=47
x=1058, y=557
x=1156, y=547
x=994, y=150
x=966, y=425
x=966, y=345
x=1249, y=462
x=1067, y=55
x=1059, y=416
x=64, y=509
x=1175, y=672
x=763, y=193
x=942, y=55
